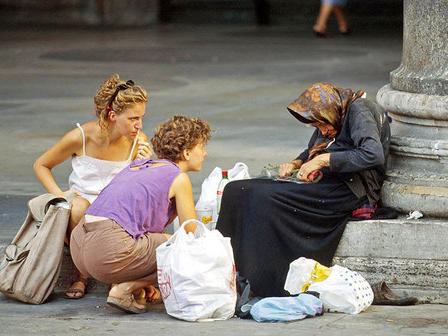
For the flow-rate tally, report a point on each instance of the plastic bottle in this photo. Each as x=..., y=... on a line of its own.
x=220, y=191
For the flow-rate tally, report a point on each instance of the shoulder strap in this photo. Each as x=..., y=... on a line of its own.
x=83, y=139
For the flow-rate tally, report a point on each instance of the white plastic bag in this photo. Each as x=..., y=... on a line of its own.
x=210, y=185
x=196, y=275
x=341, y=290
x=207, y=199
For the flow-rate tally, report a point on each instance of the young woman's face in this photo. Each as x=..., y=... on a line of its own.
x=130, y=121
x=195, y=157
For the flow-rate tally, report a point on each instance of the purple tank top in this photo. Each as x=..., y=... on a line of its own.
x=137, y=197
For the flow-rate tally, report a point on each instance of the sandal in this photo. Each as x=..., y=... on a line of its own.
x=383, y=295
x=74, y=292
x=127, y=304
x=153, y=295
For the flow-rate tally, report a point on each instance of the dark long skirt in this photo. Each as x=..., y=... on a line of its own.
x=273, y=223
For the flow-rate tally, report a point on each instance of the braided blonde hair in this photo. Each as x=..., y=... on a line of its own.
x=124, y=98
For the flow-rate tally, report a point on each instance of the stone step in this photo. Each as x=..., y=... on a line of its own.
x=411, y=255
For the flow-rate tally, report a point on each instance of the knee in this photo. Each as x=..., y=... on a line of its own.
x=79, y=207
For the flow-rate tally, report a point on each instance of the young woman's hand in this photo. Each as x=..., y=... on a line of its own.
x=144, y=150
x=316, y=163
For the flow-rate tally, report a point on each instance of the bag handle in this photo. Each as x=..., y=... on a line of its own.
x=201, y=230
x=15, y=253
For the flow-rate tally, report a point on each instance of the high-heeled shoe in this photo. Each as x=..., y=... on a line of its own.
x=346, y=32
x=319, y=34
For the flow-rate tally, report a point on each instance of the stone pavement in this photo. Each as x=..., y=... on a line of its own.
x=240, y=78
x=92, y=316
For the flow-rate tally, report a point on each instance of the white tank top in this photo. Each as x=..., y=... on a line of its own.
x=91, y=175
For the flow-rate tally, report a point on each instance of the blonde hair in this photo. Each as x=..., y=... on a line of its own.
x=179, y=133
x=105, y=100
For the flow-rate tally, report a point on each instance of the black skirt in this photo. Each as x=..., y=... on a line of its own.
x=272, y=223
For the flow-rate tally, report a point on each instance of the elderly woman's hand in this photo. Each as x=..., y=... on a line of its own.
x=285, y=169
x=317, y=163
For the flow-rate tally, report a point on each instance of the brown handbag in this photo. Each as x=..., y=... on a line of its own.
x=32, y=262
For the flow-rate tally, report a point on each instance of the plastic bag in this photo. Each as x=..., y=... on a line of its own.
x=210, y=185
x=341, y=290
x=196, y=275
x=284, y=309
x=207, y=199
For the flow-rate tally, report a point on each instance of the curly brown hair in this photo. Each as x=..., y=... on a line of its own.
x=177, y=134
x=124, y=98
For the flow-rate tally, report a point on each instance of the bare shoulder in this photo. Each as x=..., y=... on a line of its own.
x=73, y=138
x=92, y=130
x=181, y=186
x=182, y=180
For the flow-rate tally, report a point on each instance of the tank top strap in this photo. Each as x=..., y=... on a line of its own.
x=83, y=139
x=132, y=148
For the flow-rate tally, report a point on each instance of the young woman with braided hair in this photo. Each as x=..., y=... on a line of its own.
x=98, y=149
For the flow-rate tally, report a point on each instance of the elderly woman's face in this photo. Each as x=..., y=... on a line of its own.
x=327, y=130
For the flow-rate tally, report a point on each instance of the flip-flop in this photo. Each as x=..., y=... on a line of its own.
x=127, y=304
x=383, y=295
x=76, y=291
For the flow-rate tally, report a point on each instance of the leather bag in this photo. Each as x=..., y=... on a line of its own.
x=32, y=262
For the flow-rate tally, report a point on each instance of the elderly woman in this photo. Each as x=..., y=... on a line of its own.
x=272, y=223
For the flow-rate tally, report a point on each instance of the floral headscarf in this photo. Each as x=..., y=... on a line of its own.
x=326, y=104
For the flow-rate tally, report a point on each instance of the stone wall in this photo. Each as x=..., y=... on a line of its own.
x=144, y=12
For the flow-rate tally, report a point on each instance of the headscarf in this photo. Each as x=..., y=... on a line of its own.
x=326, y=104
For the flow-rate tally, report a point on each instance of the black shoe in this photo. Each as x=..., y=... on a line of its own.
x=346, y=32
x=382, y=295
x=319, y=34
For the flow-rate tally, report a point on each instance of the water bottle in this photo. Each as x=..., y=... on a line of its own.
x=220, y=191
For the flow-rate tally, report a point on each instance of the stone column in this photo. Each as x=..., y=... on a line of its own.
x=417, y=101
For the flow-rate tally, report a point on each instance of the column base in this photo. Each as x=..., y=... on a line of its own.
x=417, y=176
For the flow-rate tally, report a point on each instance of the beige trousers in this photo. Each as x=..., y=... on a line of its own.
x=104, y=251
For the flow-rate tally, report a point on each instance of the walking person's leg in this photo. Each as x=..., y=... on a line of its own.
x=320, y=26
x=342, y=21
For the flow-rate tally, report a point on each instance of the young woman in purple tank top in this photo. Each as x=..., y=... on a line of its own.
x=115, y=242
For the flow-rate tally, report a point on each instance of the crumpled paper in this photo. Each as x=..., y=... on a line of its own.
x=415, y=215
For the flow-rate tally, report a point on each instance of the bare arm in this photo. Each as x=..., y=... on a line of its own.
x=61, y=151
x=182, y=191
